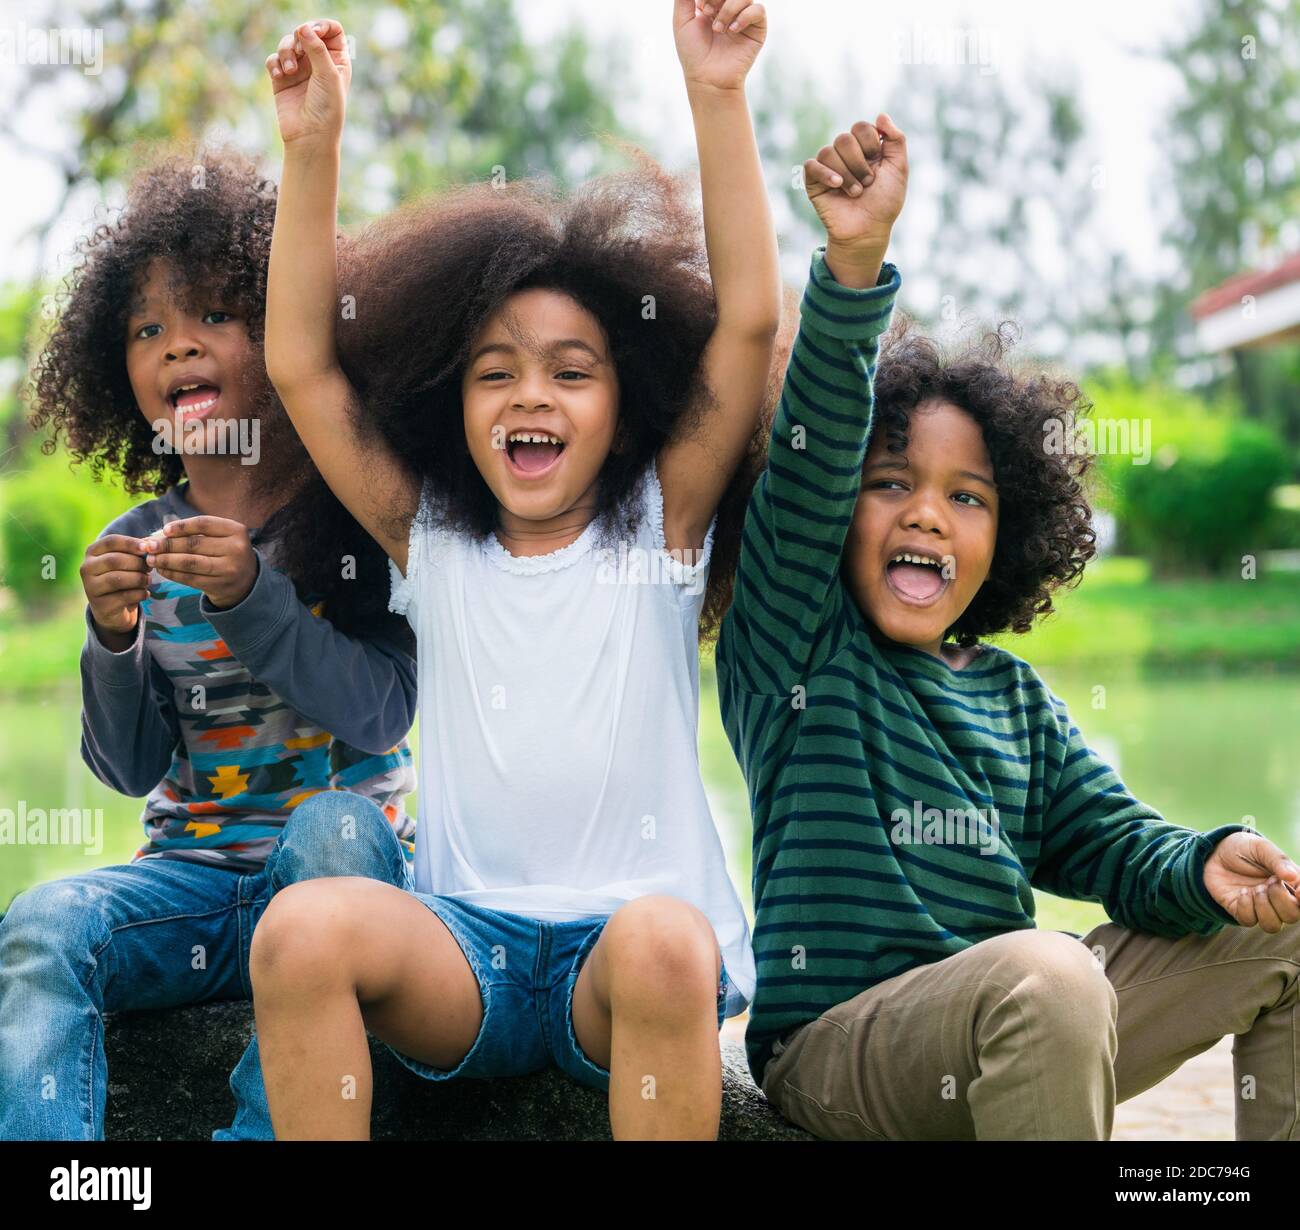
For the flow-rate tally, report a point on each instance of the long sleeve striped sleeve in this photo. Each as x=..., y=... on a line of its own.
x=798, y=517
x=1101, y=844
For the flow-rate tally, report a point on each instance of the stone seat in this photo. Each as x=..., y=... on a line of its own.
x=169, y=1073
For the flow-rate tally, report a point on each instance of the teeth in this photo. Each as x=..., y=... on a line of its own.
x=185, y=388
x=905, y=557
x=533, y=437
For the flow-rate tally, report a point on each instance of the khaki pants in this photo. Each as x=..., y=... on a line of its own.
x=1032, y=1035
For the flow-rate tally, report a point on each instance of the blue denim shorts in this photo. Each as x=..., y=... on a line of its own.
x=526, y=971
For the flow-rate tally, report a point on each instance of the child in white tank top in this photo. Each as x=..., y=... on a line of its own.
x=538, y=411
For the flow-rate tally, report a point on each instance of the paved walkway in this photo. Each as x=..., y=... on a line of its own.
x=1195, y=1103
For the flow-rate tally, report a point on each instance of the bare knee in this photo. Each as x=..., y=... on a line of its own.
x=661, y=953
x=302, y=936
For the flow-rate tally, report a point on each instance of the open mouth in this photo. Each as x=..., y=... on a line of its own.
x=194, y=400
x=532, y=453
x=917, y=579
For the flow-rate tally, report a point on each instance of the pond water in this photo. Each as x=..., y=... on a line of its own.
x=1202, y=751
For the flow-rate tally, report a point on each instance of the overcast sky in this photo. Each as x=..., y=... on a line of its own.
x=853, y=46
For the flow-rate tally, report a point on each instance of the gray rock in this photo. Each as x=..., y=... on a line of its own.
x=169, y=1073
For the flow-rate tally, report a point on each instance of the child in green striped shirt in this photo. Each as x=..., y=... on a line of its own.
x=910, y=785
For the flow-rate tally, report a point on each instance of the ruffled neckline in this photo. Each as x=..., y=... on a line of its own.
x=528, y=565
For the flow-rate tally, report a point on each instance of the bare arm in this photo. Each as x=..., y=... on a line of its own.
x=302, y=293
x=743, y=263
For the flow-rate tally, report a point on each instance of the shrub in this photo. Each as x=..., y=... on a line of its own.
x=48, y=516
x=1283, y=532
x=1203, y=500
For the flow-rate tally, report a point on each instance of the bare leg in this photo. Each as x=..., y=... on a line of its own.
x=645, y=1007
x=332, y=958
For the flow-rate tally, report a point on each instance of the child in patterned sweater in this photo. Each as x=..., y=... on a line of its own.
x=225, y=690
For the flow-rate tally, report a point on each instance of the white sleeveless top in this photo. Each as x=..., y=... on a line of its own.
x=559, y=770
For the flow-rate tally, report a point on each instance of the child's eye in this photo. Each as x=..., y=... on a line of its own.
x=225, y=316
x=580, y=375
x=881, y=484
x=966, y=495
x=493, y=375
x=140, y=332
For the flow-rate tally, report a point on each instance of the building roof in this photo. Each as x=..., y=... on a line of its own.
x=1257, y=308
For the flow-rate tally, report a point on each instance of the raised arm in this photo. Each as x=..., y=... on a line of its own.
x=310, y=72
x=787, y=582
x=741, y=242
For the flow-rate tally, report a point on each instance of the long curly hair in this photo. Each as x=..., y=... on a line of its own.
x=1045, y=534
x=417, y=286
x=208, y=214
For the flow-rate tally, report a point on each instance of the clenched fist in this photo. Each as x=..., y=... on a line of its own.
x=310, y=73
x=857, y=185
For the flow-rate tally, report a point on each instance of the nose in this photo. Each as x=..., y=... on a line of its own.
x=533, y=392
x=925, y=512
x=182, y=346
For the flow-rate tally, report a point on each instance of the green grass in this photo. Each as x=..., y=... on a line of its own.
x=38, y=650
x=1120, y=614
x=1117, y=615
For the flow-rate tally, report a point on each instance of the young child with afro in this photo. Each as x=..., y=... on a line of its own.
x=911, y=785
x=225, y=690
x=537, y=403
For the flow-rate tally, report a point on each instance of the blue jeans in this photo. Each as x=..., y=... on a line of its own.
x=159, y=933
x=526, y=971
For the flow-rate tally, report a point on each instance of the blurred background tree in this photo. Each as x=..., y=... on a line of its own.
x=443, y=91
x=1003, y=220
x=1232, y=144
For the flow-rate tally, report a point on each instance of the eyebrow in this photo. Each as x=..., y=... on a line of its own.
x=566, y=343
x=141, y=307
x=900, y=463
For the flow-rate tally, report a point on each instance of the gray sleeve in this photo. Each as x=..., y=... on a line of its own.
x=129, y=727
x=362, y=691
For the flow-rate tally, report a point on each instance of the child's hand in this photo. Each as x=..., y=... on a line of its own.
x=212, y=554
x=719, y=47
x=310, y=73
x=1248, y=875
x=116, y=581
x=857, y=186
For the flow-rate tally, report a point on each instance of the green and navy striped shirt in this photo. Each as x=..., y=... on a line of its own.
x=902, y=809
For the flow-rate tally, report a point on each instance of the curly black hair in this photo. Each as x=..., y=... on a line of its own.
x=425, y=278
x=1045, y=534
x=208, y=215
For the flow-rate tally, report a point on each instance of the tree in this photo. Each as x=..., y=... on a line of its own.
x=1232, y=144
x=444, y=91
